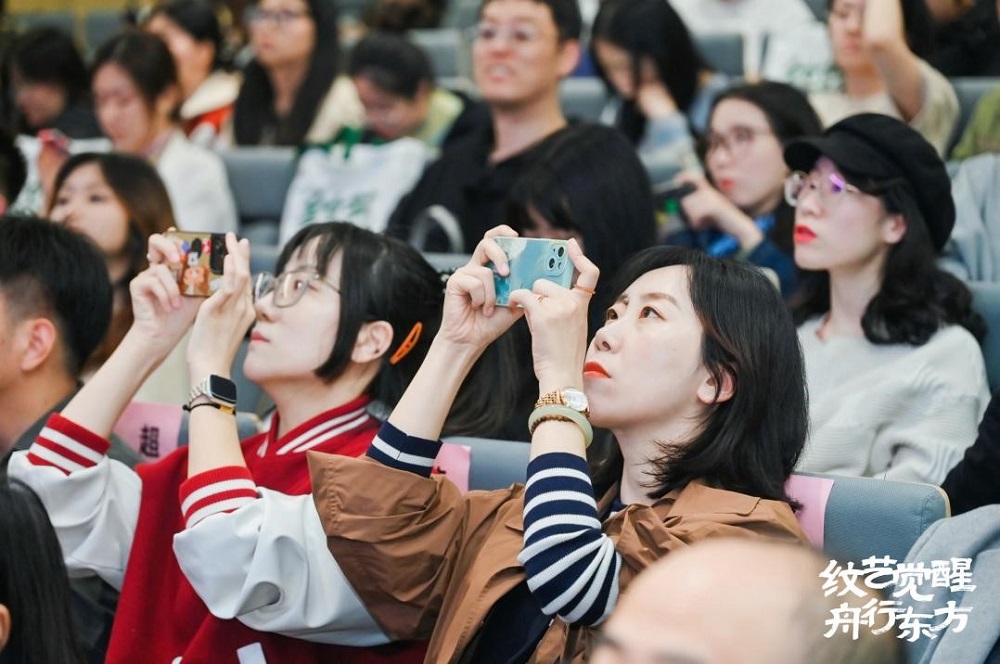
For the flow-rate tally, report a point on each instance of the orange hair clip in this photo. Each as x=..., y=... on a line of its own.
x=408, y=343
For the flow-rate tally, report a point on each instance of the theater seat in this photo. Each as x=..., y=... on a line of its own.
x=259, y=178
x=447, y=50
x=723, y=51
x=154, y=430
x=969, y=91
x=849, y=518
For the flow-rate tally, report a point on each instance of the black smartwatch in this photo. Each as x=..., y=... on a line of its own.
x=214, y=391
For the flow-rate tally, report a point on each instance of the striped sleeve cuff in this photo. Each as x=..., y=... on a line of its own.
x=572, y=567
x=66, y=445
x=393, y=448
x=214, y=491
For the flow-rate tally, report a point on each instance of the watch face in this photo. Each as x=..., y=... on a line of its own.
x=576, y=399
x=222, y=389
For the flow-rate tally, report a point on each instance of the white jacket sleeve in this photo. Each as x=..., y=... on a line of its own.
x=267, y=564
x=92, y=501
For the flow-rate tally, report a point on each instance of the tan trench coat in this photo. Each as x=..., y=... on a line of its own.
x=429, y=563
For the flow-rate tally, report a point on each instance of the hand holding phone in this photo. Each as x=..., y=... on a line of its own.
x=529, y=260
x=199, y=271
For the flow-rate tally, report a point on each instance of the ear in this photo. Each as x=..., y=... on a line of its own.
x=4, y=626
x=711, y=392
x=3, y=203
x=205, y=53
x=168, y=101
x=373, y=341
x=569, y=57
x=893, y=228
x=37, y=340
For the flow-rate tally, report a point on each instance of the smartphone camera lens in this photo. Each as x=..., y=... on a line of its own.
x=552, y=263
x=560, y=251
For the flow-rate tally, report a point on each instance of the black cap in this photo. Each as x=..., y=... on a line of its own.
x=871, y=145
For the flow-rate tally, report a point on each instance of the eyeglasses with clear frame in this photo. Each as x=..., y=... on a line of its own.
x=831, y=188
x=278, y=17
x=288, y=287
x=736, y=142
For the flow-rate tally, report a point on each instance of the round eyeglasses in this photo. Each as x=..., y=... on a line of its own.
x=831, y=188
x=288, y=287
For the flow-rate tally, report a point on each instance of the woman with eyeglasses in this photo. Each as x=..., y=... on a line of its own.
x=739, y=211
x=897, y=384
x=338, y=335
x=880, y=47
x=662, y=86
x=291, y=92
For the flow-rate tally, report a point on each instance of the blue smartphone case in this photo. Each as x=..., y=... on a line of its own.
x=531, y=259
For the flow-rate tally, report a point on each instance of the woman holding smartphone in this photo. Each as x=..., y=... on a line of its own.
x=697, y=374
x=338, y=334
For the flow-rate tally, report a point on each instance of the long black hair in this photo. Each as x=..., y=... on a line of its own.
x=916, y=298
x=653, y=29
x=254, y=108
x=751, y=442
x=34, y=584
x=383, y=278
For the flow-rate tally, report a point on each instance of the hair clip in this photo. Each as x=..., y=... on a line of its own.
x=408, y=343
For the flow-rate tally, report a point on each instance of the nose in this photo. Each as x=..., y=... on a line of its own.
x=853, y=21
x=606, y=340
x=264, y=307
x=809, y=202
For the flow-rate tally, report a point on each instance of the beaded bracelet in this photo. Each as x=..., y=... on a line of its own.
x=565, y=414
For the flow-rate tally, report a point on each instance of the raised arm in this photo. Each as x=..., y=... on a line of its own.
x=92, y=501
x=885, y=39
x=571, y=565
x=470, y=322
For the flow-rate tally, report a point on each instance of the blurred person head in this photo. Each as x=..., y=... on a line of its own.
x=636, y=40
x=35, y=622
x=47, y=76
x=846, y=27
x=290, y=38
x=136, y=90
x=118, y=201
x=522, y=48
x=191, y=30
x=394, y=80
x=747, y=130
x=723, y=601
x=571, y=192
x=402, y=15
x=55, y=304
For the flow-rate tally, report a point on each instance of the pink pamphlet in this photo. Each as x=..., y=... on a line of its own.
x=151, y=429
x=454, y=462
x=813, y=493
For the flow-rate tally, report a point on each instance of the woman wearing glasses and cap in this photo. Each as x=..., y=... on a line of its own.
x=896, y=378
x=343, y=326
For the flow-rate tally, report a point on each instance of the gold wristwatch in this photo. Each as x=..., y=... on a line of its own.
x=569, y=397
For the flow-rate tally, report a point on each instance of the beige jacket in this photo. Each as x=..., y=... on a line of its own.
x=429, y=563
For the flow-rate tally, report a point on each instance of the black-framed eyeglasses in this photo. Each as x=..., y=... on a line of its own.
x=288, y=287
